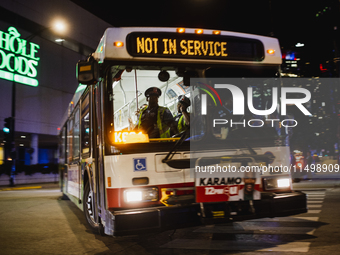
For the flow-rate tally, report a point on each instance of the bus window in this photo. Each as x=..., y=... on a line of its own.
x=62, y=146
x=70, y=140
x=262, y=99
x=129, y=97
x=85, y=125
x=76, y=134
x=197, y=121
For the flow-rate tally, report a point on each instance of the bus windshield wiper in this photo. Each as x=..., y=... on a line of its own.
x=178, y=144
x=251, y=150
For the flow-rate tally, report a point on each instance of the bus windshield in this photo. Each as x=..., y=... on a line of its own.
x=128, y=103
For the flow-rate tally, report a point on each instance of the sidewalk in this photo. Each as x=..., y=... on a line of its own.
x=23, y=178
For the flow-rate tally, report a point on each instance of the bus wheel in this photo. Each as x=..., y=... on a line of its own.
x=89, y=208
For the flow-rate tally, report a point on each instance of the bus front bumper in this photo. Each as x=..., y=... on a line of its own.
x=163, y=218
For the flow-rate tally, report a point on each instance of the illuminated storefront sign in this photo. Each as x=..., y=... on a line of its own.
x=18, y=60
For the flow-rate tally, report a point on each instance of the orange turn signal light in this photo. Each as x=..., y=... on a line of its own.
x=118, y=44
x=199, y=31
x=180, y=30
x=216, y=32
x=271, y=51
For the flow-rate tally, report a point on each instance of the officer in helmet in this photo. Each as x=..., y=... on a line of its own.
x=182, y=119
x=155, y=120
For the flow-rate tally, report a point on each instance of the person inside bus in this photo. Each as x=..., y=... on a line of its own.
x=137, y=113
x=155, y=120
x=224, y=111
x=182, y=118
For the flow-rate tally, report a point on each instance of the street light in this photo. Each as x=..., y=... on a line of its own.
x=58, y=26
x=299, y=45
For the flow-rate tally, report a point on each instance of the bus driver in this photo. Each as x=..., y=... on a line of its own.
x=182, y=119
x=155, y=120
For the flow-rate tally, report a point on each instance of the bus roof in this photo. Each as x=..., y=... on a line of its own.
x=191, y=46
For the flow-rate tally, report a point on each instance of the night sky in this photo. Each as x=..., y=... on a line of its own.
x=290, y=21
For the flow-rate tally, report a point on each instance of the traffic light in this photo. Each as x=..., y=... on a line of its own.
x=8, y=129
x=8, y=125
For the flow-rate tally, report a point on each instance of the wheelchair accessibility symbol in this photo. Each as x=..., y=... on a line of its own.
x=139, y=164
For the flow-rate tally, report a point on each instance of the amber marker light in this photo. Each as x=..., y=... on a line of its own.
x=199, y=31
x=118, y=44
x=271, y=51
x=140, y=181
x=180, y=30
x=216, y=32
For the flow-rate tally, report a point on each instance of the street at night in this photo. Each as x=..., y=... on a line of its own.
x=169, y=127
x=38, y=221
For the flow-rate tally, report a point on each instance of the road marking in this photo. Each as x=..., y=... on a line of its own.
x=21, y=188
x=237, y=245
x=315, y=198
x=314, y=206
x=313, y=211
x=311, y=232
x=288, y=219
x=308, y=218
x=315, y=193
x=290, y=247
x=245, y=228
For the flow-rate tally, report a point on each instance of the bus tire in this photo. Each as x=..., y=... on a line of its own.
x=88, y=207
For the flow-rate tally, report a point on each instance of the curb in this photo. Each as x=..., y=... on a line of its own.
x=30, y=186
x=21, y=188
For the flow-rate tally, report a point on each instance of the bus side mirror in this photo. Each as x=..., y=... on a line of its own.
x=87, y=71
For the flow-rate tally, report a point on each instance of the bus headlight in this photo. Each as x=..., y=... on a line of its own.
x=276, y=183
x=283, y=183
x=141, y=195
x=133, y=196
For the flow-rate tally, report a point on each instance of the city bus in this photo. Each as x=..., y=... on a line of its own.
x=127, y=181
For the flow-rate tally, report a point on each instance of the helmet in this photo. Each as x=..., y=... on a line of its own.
x=184, y=99
x=153, y=91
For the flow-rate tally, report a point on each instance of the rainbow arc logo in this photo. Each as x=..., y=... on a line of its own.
x=209, y=93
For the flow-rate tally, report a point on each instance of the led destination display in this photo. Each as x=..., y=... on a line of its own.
x=173, y=45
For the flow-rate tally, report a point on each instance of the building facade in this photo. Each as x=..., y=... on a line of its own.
x=37, y=72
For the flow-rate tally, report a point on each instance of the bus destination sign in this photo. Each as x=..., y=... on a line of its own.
x=174, y=45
